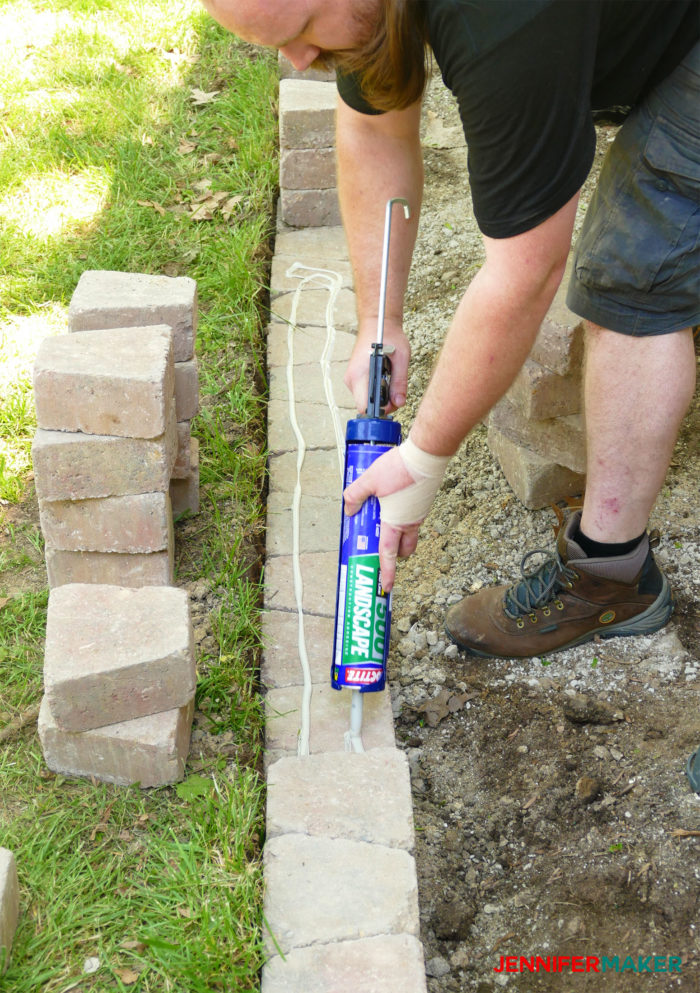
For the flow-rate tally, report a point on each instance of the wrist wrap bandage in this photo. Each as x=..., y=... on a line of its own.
x=411, y=504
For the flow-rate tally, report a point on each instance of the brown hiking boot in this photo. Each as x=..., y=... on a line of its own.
x=567, y=600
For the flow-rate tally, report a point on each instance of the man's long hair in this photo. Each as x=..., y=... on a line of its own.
x=393, y=65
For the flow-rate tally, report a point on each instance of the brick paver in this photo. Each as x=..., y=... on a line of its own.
x=135, y=523
x=138, y=569
x=9, y=904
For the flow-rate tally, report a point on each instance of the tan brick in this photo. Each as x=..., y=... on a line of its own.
x=332, y=796
x=112, y=568
x=307, y=113
x=114, y=654
x=135, y=523
x=388, y=962
x=186, y=390
x=321, y=475
x=114, y=382
x=150, y=751
x=281, y=665
x=288, y=274
x=319, y=574
x=9, y=905
x=535, y=480
x=330, y=719
x=310, y=208
x=287, y=71
x=319, y=890
x=562, y=440
x=319, y=524
x=74, y=466
x=183, y=460
x=307, y=169
x=315, y=423
x=309, y=383
x=105, y=299
x=540, y=393
x=560, y=340
x=312, y=309
x=184, y=493
x=329, y=243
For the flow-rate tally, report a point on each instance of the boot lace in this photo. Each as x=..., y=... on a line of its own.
x=540, y=586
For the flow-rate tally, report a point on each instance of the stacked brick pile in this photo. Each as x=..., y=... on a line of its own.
x=537, y=430
x=111, y=451
x=308, y=194
x=9, y=905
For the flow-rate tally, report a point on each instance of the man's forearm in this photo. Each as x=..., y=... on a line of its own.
x=378, y=158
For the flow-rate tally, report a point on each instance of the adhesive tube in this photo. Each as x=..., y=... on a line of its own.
x=363, y=608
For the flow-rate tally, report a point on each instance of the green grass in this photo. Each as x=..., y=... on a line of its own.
x=107, y=158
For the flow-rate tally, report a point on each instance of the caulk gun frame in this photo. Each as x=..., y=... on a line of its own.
x=385, y=261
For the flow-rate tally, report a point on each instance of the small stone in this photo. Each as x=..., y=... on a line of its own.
x=587, y=789
x=583, y=709
x=437, y=967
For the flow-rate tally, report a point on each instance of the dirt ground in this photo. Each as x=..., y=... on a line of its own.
x=550, y=795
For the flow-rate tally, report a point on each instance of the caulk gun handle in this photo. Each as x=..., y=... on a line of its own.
x=379, y=381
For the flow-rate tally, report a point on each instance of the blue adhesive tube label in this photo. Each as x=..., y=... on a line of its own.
x=363, y=608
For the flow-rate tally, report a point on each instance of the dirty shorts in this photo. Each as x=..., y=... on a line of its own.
x=637, y=261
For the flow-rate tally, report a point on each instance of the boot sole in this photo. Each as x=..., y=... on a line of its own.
x=650, y=620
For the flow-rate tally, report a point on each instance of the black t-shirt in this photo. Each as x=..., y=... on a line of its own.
x=528, y=75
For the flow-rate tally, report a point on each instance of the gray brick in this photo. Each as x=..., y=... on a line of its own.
x=314, y=421
x=310, y=208
x=562, y=440
x=312, y=309
x=280, y=661
x=321, y=475
x=389, y=963
x=151, y=751
x=184, y=493
x=114, y=382
x=309, y=384
x=9, y=905
x=329, y=243
x=319, y=573
x=308, y=344
x=75, y=466
x=186, y=390
x=330, y=719
x=540, y=393
x=126, y=524
x=104, y=299
x=288, y=273
x=319, y=524
x=336, y=796
x=535, y=480
x=114, y=654
x=111, y=568
x=320, y=890
x=307, y=113
x=307, y=169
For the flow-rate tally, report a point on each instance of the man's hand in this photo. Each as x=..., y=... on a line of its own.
x=357, y=373
x=388, y=474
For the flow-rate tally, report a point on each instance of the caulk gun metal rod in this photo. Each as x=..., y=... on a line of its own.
x=385, y=261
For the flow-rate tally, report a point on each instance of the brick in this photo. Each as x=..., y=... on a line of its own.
x=309, y=384
x=183, y=460
x=562, y=440
x=150, y=751
x=184, y=493
x=114, y=382
x=321, y=475
x=330, y=719
x=539, y=393
x=319, y=574
x=114, y=654
x=315, y=423
x=367, y=965
x=287, y=71
x=186, y=390
x=560, y=340
x=312, y=307
x=104, y=299
x=112, y=568
x=335, y=796
x=310, y=208
x=322, y=889
x=134, y=523
x=535, y=480
x=307, y=169
x=319, y=524
x=280, y=660
x=307, y=345
x=9, y=905
x=74, y=466
x=307, y=113
x=288, y=273
x=329, y=243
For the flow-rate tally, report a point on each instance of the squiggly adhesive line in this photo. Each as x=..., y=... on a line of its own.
x=333, y=281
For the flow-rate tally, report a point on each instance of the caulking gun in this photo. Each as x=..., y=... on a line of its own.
x=363, y=607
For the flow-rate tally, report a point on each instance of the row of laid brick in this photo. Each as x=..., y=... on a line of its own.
x=9, y=905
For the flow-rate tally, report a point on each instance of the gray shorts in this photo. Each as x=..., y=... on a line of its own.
x=637, y=260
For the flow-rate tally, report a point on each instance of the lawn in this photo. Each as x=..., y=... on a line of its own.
x=138, y=137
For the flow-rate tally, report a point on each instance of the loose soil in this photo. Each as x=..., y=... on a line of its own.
x=550, y=795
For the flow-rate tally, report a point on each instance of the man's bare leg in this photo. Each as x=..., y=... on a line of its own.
x=636, y=393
